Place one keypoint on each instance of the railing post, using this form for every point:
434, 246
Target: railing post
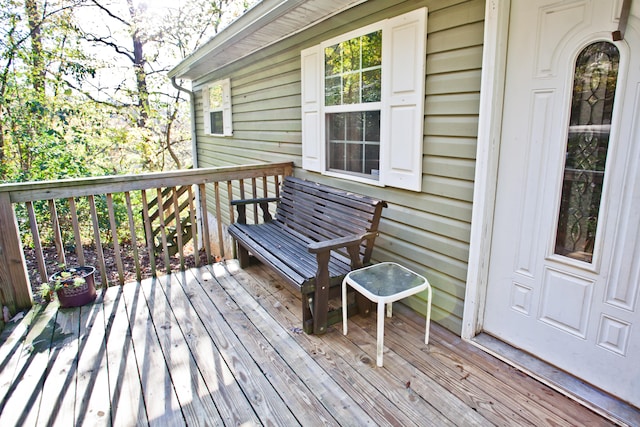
15, 289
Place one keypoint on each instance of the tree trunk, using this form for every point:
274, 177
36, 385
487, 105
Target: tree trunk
139, 63
37, 54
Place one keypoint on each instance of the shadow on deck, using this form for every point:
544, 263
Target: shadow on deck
223, 346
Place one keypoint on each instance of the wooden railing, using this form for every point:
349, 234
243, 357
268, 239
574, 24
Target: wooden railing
81, 223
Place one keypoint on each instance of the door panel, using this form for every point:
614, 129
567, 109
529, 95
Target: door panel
578, 311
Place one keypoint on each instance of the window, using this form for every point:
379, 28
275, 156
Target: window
352, 101
594, 87
217, 108
363, 103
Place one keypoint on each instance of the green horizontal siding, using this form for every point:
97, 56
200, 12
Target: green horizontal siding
427, 231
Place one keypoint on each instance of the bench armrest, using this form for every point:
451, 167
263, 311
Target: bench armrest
241, 206
254, 201
339, 242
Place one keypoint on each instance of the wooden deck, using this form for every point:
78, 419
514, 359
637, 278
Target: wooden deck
223, 346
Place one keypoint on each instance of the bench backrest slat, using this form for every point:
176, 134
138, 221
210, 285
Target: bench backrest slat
320, 212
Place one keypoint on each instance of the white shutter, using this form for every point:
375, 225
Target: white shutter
205, 110
227, 119
311, 60
404, 50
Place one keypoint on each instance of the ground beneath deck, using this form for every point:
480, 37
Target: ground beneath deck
223, 346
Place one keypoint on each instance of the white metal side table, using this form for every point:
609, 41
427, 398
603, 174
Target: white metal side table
384, 284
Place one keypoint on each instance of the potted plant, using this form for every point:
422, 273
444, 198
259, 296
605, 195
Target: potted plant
75, 286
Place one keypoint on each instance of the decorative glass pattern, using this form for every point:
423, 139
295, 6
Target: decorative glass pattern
353, 71
594, 87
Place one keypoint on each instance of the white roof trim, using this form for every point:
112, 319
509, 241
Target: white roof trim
263, 25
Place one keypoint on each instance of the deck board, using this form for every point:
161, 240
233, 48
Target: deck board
254, 356
126, 401
92, 387
219, 345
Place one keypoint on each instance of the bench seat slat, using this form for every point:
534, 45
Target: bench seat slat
289, 249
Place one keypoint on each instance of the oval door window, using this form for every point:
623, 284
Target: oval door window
594, 87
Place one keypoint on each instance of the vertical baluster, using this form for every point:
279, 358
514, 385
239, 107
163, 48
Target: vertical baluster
98, 241
265, 187
57, 235
42, 266
230, 198
76, 230
216, 187
254, 194
241, 181
205, 222
176, 209
194, 228
114, 238
148, 233
134, 237
163, 231
276, 182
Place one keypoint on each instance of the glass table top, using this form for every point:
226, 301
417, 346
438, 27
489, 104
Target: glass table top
386, 279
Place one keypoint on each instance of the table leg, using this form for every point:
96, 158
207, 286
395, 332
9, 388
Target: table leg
428, 320
344, 306
380, 340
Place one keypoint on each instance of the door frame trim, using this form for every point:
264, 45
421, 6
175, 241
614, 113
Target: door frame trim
496, 34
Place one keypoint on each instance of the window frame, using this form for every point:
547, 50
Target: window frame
225, 108
348, 108
401, 105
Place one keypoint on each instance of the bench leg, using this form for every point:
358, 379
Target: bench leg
243, 256
307, 317
321, 294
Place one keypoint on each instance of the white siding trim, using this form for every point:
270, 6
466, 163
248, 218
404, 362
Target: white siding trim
489, 130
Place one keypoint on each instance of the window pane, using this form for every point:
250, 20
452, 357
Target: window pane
372, 126
594, 87
353, 70
351, 55
217, 126
372, 159
332, 61
354, 158
355, 127
215, 97
337, 156
351, 89
333, 91
336, 127
354, 142
372, 50
371, 87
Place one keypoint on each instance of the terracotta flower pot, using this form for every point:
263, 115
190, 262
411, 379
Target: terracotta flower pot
71, 295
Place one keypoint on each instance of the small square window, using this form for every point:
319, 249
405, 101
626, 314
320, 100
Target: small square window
217, 126
217, 108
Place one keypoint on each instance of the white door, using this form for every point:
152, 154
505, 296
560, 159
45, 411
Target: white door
564, 268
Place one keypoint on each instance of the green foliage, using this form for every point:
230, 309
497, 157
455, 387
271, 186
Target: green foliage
76, 100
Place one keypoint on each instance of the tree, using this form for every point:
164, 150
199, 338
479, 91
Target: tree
83, 85
148, 42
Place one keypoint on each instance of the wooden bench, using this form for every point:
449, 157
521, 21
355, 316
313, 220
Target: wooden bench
318, 235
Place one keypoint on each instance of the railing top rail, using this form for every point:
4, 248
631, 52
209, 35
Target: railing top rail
77, 187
